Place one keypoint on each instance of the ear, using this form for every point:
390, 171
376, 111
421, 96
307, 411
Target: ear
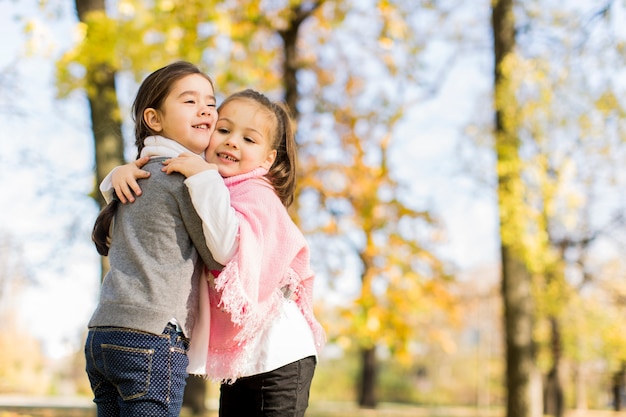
152, 119
271, 157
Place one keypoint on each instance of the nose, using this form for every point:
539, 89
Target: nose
231, 142
205, 110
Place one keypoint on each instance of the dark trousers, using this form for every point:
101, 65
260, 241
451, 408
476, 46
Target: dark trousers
283, 392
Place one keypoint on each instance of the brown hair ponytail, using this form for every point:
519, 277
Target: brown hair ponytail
102, 227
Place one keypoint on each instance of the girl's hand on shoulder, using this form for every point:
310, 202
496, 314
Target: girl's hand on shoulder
187, 164
124, 179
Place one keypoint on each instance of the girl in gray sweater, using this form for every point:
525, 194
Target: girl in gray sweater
136, 348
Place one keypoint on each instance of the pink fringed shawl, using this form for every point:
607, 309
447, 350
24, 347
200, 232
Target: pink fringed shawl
272, 260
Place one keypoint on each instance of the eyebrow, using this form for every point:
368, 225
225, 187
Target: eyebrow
195, 93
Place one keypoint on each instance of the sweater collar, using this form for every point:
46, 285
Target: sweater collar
236, 179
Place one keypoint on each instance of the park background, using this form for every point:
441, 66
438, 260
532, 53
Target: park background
399, 121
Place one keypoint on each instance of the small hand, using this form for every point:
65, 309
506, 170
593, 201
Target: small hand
124, 179
187, 164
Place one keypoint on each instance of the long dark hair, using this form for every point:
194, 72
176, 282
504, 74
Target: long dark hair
282, 173
151, 94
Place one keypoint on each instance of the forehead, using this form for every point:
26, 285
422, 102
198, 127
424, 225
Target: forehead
247, 113
192, 83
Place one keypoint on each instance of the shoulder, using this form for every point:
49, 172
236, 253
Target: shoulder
159, 177
256, 198
161, 188
256, 190
258, 185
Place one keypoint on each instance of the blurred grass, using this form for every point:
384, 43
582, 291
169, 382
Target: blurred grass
329, 409
316, 409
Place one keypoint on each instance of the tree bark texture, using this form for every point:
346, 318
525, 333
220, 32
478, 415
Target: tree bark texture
369, 373
521, 375
618, 388
553, 392
103, 107
518, 336
291, 66
195, 394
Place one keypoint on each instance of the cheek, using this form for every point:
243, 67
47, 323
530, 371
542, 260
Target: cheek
211, 149
208, 151
212, 144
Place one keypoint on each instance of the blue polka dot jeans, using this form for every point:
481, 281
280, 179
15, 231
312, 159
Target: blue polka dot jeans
134, 373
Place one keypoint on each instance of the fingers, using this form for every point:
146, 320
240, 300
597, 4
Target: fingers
124, 193
173, 165
132, 184
128, 189
168, 166
124, 180
186, 164
141, 161
140, 174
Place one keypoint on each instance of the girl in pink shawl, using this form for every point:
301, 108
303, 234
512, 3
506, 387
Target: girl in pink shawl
257, 333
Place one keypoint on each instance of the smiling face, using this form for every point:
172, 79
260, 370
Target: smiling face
243, 138
188, 114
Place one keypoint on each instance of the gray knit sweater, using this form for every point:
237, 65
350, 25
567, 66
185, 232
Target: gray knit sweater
154, 258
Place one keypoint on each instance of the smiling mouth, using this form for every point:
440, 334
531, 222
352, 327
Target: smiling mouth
227, 157
203, 126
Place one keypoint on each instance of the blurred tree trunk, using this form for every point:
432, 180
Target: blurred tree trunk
289, 35
103, 106
367, 389
104, 112
553, 396
195, 394
516, 278
618, 387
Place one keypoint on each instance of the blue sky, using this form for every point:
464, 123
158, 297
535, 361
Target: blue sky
45, 176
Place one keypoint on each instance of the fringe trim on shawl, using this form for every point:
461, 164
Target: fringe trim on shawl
243, 312
227, 365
